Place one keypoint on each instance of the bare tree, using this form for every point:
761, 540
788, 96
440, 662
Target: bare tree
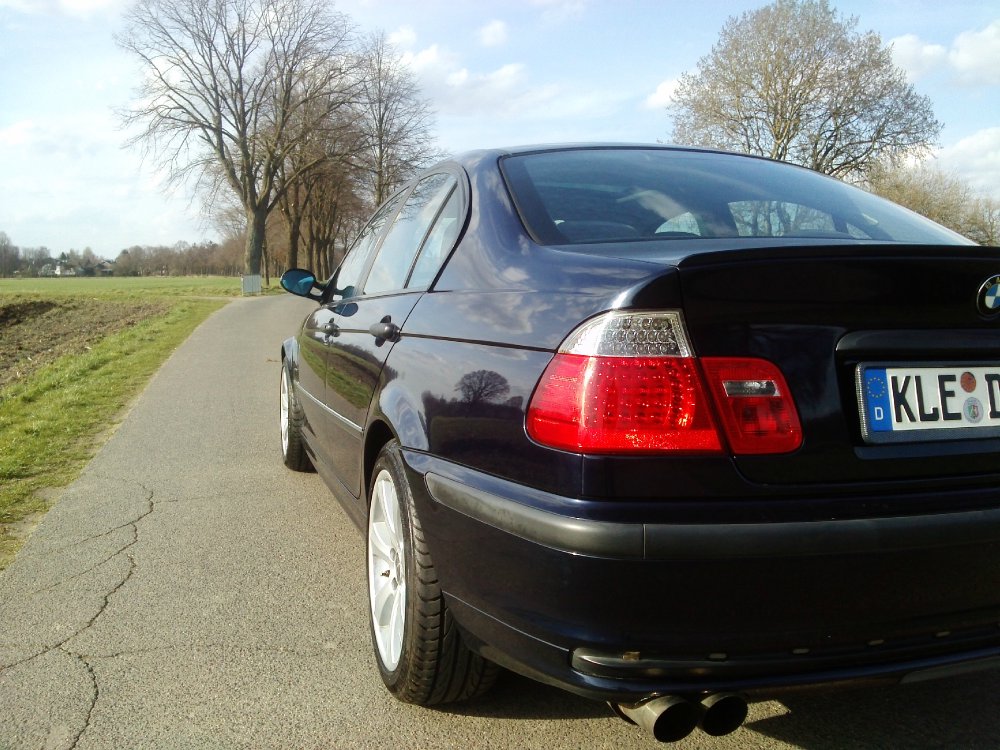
397, 122
984, 222
482, 386
795, 81
335, 150
9, 256
942, 197
931, 192
335, 214
232, 86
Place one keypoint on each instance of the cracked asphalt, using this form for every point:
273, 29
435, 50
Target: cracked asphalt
190, 592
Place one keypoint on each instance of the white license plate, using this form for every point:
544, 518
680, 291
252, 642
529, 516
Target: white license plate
941, 402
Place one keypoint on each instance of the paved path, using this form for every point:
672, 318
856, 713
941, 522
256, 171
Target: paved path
189, 592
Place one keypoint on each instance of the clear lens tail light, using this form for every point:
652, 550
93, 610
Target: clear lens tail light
754, 405
627, 382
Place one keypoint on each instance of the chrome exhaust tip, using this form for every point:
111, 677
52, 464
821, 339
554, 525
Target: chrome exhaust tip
668, 718
722, 713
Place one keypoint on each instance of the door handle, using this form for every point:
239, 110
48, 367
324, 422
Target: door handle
384, 330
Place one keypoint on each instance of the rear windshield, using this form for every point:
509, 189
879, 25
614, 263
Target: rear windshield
586, 196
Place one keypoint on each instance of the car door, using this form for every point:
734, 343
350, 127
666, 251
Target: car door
366, 321
321, 328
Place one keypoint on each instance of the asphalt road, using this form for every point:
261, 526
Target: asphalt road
190, 592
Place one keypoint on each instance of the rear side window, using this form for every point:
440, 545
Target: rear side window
438, 243
613, 195
405, 237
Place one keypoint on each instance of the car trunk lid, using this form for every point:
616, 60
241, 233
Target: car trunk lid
823, 315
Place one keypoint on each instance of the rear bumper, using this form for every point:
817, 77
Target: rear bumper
588, 596
652, 541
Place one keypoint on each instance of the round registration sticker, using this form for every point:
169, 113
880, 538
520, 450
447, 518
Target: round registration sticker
968, 381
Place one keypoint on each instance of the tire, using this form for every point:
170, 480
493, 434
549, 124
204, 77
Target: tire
418, 648
293, 449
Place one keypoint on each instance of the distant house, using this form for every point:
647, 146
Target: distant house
105, 268
47, 270
64, 269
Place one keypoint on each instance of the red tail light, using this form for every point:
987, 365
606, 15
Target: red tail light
628, 383
621, 405
754, 404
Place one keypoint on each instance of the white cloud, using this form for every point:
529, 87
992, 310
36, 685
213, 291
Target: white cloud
493, 34
455, 89
504, 92
430, 63
916, 57
79, 8
403, 38
974, 56
86, 7
663, 96
17, 135
976, 159
558, 11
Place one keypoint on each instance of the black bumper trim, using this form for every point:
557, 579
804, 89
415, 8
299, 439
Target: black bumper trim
597, 538
711, 541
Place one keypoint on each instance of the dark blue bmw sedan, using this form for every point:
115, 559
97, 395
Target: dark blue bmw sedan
664, 427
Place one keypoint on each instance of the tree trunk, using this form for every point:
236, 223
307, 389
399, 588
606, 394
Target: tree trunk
294, 236
256, 236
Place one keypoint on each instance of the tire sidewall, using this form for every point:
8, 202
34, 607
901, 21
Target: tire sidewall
293, 451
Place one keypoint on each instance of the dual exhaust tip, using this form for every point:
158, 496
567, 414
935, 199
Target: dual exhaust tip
670, 718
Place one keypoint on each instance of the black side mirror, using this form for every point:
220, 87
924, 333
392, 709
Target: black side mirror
301, 282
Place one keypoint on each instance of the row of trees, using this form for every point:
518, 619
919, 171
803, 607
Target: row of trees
40, 261
276, 108
181, 259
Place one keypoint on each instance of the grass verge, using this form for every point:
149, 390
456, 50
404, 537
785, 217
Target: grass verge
48, 422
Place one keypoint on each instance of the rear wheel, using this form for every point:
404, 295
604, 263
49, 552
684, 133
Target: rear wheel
420, 653
293, 450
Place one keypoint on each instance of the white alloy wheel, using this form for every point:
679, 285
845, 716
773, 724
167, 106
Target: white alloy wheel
386, 570
284, 411
420, 653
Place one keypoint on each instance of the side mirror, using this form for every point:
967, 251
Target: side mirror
301, 282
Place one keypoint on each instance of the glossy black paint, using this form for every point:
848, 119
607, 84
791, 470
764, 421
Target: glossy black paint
453, 387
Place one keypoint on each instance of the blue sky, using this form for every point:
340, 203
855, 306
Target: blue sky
521, 71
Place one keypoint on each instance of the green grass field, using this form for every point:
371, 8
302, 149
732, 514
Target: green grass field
52, 415
158, 286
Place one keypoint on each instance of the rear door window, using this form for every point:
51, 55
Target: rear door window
402, 242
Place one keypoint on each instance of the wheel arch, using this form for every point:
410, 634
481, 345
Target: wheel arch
378, 435
395, 415
289, 351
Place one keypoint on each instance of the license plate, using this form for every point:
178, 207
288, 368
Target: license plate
940, 402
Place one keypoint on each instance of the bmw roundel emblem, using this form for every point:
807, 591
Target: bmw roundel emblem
989, 296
